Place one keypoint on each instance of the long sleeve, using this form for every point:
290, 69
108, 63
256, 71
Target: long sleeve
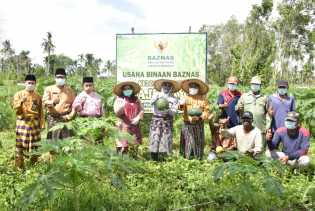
46, 96
17, 103
275, 141
119, 106
240, 104
41, 114
174, 106
220, 100
141, 113
305, 144
77, 103
206, 110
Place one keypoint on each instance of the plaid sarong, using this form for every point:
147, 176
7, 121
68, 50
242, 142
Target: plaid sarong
27, 134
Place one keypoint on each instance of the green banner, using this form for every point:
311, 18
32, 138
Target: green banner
144, 58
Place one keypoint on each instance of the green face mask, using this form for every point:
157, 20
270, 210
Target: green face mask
282, 91
127, 92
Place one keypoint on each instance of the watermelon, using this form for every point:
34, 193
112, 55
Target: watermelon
195, 111
162, 104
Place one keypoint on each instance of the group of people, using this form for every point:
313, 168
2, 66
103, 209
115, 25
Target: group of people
248, 122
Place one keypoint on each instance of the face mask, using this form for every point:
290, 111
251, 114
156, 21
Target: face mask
165, 89
290, 125
282, 91
30, 87
60, 81
232, 87
193, 91
255, 87
127, 92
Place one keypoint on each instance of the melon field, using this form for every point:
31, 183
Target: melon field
84, 175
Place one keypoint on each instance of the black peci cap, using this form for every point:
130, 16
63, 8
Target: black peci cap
60, 71
30, 77
87, 79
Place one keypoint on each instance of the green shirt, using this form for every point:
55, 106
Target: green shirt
257, 104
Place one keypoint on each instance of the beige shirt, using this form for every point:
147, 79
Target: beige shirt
62, 97
257, 104
247, 142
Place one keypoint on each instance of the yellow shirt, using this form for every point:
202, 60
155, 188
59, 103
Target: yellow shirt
29, 105
195, 101
62, 97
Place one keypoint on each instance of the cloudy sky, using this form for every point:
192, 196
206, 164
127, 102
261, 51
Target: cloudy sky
90, 26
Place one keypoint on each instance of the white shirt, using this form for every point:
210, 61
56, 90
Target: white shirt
247, 142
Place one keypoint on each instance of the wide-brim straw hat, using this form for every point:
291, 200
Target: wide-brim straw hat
203, 87
158, 84
118, 88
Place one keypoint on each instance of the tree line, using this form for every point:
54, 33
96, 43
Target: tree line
268, 45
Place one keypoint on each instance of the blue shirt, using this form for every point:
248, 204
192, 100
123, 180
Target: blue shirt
281, 107
230, 111
292, 147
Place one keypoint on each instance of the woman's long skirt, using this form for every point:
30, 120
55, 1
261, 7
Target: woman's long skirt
161, 135
192, 140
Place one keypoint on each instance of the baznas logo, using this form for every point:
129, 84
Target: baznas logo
160, 45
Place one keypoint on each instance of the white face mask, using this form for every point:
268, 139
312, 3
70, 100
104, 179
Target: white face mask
30, 87
232, 87
290, 125
255, 87
60, 81
193, 91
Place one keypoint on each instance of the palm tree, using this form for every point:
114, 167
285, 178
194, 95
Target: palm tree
8, 54
49, 47
25, 61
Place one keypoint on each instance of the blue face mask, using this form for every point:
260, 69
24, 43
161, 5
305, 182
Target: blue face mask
255, 87
127, 92
232, 87
282, 91
290, 125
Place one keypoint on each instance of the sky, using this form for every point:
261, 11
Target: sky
90, 26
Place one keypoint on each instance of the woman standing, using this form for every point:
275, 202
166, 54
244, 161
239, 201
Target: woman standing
164, 108
129, 111
196, 110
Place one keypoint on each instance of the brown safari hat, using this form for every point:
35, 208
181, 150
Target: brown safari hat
203, 87
117, 90
158, 84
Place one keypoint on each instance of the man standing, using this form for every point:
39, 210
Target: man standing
255, 102
227, 102
29, 120
279, 104
248, 137
295, 141
58, 99
88, 103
